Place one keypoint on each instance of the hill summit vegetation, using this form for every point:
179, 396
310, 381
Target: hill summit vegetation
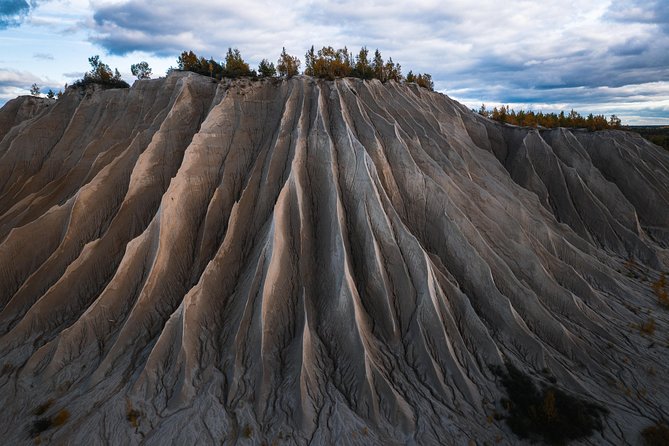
326, 63
330, 63
101, 74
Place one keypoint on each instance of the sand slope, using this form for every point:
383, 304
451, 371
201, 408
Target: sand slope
302, 261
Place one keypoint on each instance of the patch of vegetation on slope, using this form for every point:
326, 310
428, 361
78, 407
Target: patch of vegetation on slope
546, 412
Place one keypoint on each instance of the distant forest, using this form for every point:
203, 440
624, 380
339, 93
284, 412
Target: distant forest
656, 134
530, 118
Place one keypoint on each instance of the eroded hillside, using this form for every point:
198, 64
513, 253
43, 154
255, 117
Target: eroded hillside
303, 261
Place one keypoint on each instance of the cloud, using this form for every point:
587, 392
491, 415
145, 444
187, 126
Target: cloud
550, 52
553, 51
648, 12
43, 56
12, 12
14, 83
74, 75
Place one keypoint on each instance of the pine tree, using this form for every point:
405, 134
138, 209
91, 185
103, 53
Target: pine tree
363, 69
377, 66
266, 69
309, 60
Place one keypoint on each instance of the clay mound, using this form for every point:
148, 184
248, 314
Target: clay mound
302, 261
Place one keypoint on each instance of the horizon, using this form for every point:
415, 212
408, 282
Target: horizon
602, 58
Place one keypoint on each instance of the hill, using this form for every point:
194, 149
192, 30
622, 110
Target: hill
305, 261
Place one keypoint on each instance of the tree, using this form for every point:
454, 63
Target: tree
425, 80
377, 66
35, 90
363, 68
188, 61
141, 70
235, 65
614, 122
100, 71
50, 94
266, 69
330, 63
410, 77
309, 60
288, 65
392, 71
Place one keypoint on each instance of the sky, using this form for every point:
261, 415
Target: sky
594, 56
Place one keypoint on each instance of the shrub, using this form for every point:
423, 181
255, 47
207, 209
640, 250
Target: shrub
660, 289
648, 327
101, 74
39, 410
131, 414
546, 413
60, 418
656, 435
40, 425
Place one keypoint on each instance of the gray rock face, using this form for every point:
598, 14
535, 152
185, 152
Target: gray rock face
301, 261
